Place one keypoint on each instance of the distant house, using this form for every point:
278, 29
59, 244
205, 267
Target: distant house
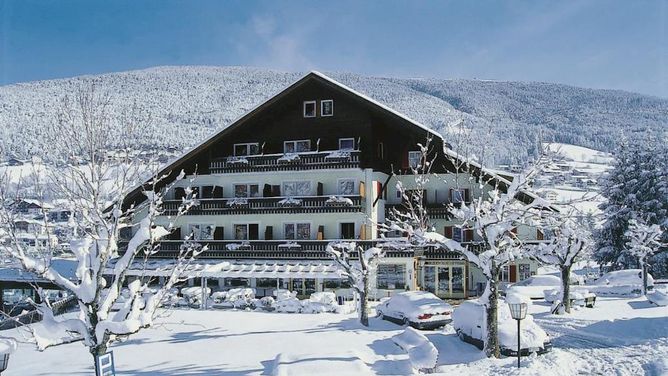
31, 206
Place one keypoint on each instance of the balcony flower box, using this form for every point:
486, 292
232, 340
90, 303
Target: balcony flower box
289, 158
237, 202
338, 201
290, 202
338, 155
237, 160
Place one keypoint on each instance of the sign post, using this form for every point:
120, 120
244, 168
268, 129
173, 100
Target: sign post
104, 364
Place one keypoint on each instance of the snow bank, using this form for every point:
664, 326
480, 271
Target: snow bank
421, 352
335, 363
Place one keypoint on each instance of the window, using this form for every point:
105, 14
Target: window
297, 231
414, 158
252, 148
246, 231
525, 271
505, 274
246, 190
299, 146
347, 230
327, 107
202, 232
309, 109
346, 144
296, 188
459, 195
346, 187
458, 234
391, 276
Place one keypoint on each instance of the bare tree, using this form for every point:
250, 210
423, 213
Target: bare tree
571, 242
96, 169
357, 265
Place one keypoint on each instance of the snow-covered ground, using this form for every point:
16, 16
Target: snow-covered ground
565, 183
617, 337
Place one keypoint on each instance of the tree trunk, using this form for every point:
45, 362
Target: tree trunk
364, 317
644, 277
492, 343
566, 287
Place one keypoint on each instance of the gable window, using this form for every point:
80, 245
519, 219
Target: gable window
297, 231
346, 187
298, 146
246, 190
297, 188
309, 109
327, 107
414, 158
346, 144
251, 148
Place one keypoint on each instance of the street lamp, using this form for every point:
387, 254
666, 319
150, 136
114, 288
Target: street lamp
518, 311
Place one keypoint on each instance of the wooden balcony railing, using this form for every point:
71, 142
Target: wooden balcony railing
287, 162
269, 205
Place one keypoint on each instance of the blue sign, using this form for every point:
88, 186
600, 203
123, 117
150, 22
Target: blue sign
104, 364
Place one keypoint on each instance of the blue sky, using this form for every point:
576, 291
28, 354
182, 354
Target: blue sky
601, 44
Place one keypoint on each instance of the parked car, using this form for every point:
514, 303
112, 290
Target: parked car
622, 282
419, 309
534, 287
469, 322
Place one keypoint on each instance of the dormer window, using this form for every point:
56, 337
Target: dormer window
299, 146
251, 148
414, 158
346, 144
327, 107
309, 109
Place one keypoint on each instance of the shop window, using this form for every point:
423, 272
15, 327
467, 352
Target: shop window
391, 276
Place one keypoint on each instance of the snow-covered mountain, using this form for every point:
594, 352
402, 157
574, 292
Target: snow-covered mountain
187, 104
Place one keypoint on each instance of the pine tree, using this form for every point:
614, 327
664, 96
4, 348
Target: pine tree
636, 187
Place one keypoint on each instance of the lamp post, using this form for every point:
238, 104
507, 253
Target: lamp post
518, 311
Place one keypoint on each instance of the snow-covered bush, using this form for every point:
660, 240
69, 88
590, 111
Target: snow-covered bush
193, 295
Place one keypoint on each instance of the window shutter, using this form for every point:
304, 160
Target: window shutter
467, 195
321, 189
447, 232
362, 190
219, 233
321, 233
253, 231
450, 194
468, 235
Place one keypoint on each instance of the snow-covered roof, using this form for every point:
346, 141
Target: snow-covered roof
240, 269
14, 273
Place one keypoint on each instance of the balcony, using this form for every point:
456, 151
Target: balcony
434, 211
271, 205
334, 159
271, 249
